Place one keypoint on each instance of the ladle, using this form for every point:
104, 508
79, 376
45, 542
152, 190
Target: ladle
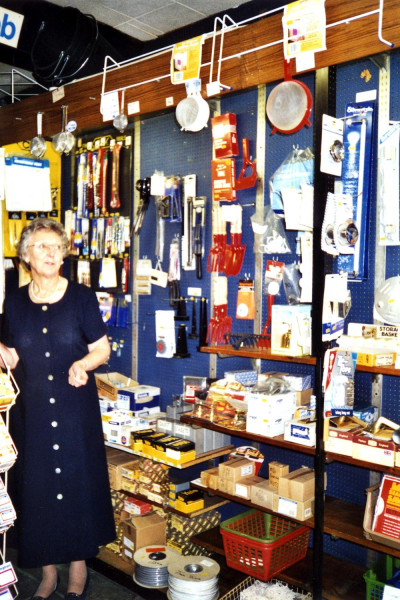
38, 143
64, 141
121, 121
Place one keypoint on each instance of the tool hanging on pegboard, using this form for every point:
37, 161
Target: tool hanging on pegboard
199, 221
143, 187
189, 193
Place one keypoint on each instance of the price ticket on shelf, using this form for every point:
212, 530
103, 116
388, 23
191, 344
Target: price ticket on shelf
304, 27
390, 593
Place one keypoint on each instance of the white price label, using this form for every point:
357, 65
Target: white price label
390, 593
58, 93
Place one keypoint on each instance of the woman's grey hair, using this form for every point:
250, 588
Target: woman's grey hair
42, 225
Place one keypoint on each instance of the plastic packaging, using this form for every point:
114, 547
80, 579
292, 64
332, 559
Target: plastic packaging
269, 234
291, 283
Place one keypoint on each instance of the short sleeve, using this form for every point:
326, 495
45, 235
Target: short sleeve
92, 323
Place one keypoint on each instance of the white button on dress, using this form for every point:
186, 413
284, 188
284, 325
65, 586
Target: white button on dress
59, 496
56, 447
58, 470
50, 377
52, 400
44, 329
45, 307
47, 354
54, 423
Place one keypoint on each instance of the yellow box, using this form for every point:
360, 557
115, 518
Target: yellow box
188, 508
376, 358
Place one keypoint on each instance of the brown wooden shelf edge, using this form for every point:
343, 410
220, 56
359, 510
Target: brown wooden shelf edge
275, 441
263, 354
330, 456
210, 503
198, 460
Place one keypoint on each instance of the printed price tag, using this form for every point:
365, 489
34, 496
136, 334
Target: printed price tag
390, 593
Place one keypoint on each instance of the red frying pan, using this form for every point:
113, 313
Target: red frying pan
289, 105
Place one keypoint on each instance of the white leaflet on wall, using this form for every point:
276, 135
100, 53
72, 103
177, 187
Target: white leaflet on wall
27, 184
388, 161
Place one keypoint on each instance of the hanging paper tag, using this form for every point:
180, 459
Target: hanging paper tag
186, 60
304, 27
109, 106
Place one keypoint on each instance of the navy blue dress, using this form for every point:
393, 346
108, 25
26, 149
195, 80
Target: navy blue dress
63, 493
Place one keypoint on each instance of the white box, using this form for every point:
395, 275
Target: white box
300, 433
117, 425
268, 426
271, 404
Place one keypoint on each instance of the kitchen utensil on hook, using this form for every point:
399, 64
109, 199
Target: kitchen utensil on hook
64, 141
193, 112
246, 181
121, 121
289, 105
38, 143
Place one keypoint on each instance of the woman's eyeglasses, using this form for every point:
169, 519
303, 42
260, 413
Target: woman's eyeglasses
42, 248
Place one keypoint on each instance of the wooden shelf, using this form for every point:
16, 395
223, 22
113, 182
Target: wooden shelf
275, 441
362, 463
198, 460
225, 351
379, 370
210, 503
341, 581
342, 519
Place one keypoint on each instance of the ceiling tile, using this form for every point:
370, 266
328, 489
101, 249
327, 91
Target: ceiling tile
134, 8
138, 31
211, 7
171, 17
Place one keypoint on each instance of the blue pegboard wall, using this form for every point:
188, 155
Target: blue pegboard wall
165, 148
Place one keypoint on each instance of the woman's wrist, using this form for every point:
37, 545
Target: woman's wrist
84, 363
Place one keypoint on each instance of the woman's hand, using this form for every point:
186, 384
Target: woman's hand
77, 375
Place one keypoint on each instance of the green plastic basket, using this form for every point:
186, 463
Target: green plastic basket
375, 578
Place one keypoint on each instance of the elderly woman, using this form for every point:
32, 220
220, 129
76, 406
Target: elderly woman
54, 337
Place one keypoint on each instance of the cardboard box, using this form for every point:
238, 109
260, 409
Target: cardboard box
243, 486
300, 432
263, 494
341, 442
299, 383
189, 501
267, 405
179, 452
137, 438
111, 384
146, 530
115, 463
139, 398
376, 358
228, 487
209, 478
298, 485
374, 451
136, 507
303, 397
131, 471
223, 179
294, 509
380, 538
268, 426
235, 469
224, 135
276, 470
130, 486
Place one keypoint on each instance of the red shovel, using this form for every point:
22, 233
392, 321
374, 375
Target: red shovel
246, 181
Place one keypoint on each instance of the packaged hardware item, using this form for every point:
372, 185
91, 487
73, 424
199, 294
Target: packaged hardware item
263, 494
236, 468
276, 470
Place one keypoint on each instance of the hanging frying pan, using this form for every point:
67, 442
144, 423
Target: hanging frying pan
289, 105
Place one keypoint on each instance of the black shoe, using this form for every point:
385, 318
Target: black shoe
35, 597
74, 596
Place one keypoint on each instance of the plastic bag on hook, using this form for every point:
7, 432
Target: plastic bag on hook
291, 283
269, 234
297, 168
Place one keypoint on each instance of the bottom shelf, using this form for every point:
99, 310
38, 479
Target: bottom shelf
341, 581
